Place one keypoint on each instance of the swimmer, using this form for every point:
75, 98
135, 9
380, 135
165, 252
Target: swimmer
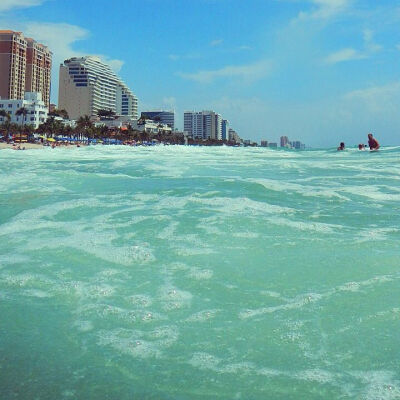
361, 146
341, 147
372, 142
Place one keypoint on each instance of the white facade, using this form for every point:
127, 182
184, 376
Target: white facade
234, 137
165, 117
87, 85
36, 110
150, 126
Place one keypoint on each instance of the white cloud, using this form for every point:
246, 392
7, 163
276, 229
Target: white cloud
344, 55
189, 56
216, 42
169, 102
377, 99
7, 5
244, 47
369, 43
324, 9
249, 72
60, 38
349, 54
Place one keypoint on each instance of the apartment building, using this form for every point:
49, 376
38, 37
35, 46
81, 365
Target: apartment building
203, 124
25, 66
36, 108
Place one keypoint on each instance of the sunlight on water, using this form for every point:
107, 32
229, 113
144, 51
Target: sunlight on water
199, 273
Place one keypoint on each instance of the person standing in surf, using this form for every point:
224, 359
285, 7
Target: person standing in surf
341, 146
372, 142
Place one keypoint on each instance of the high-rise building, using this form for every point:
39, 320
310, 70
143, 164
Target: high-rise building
25, 66
87, 85
264, 143
234, 137
165, 117
284, 141
193, 124
203, 124
297, 144
225, 130
38, 69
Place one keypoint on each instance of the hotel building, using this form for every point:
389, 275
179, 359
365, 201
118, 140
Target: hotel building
165, 117
25, 66
225, 129
36, 108
87, 85
234, 137
203, 124
284, 141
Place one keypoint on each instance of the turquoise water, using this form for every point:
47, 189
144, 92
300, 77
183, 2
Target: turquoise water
199, 273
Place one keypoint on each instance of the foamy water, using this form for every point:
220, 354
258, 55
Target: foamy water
199, 273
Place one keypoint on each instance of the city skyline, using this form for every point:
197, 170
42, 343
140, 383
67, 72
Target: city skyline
322, 71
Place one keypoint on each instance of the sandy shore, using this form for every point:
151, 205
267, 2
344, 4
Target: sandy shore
29, 146
26, 145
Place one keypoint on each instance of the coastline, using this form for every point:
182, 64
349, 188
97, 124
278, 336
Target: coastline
31, 146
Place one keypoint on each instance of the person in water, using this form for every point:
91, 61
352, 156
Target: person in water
341, 147
372, 142
361, 146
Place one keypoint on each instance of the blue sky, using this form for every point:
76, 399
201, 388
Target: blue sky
320, 71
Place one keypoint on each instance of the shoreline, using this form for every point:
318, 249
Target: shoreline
32, 146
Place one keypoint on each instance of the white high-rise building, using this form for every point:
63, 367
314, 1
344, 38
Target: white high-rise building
87, 85
203, 124
36, 110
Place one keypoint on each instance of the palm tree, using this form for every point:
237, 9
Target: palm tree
59, 113
24, 112
106, 114
5, 114
6, 124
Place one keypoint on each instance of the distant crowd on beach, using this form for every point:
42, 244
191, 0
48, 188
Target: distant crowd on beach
372, 143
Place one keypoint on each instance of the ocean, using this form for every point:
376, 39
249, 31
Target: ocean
199, 273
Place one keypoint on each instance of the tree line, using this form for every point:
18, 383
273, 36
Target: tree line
85, 127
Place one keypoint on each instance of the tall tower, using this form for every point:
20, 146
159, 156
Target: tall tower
13, 47
38, 69
25, 66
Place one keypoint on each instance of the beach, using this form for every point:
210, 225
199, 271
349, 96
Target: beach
34, 146
183, 272
28, 146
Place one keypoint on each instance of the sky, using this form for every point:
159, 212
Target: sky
319, 71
